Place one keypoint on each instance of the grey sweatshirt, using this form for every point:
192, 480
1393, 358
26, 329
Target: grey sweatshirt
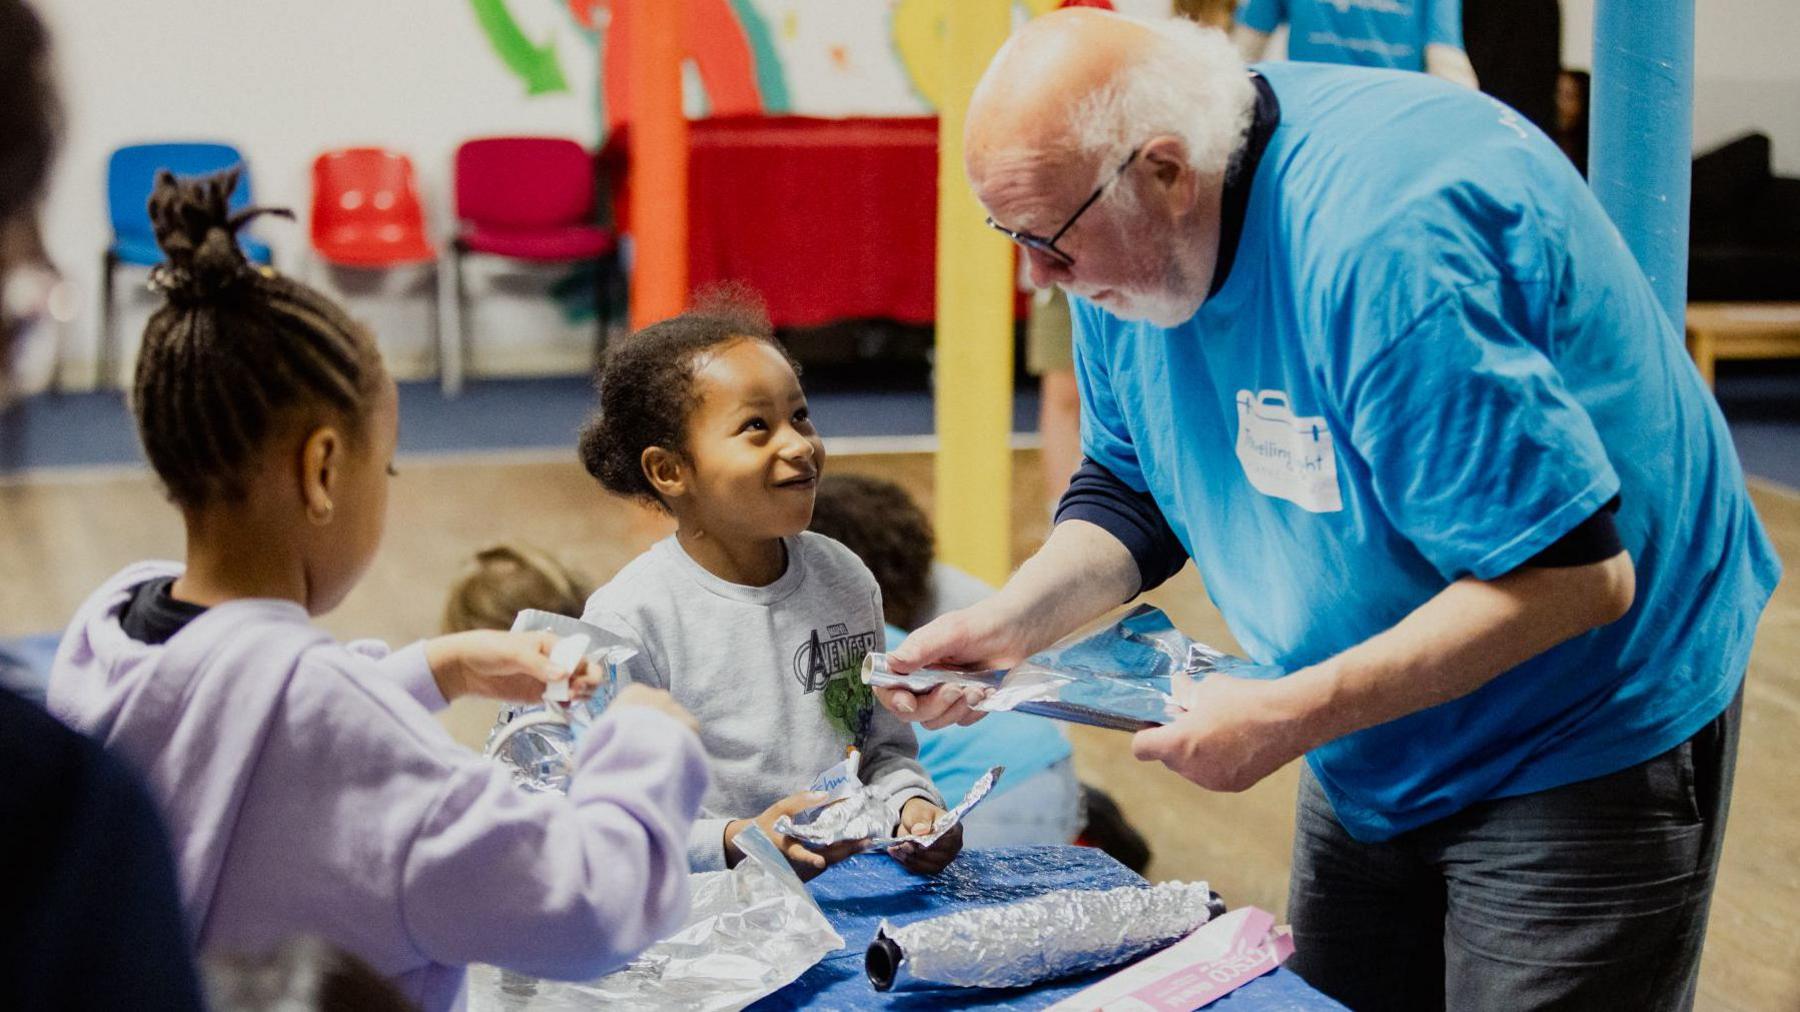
752, 664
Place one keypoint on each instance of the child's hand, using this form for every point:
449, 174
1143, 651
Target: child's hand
501, 665
655, 699
916, 819
806, 862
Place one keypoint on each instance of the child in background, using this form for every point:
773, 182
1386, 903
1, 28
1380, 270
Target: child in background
504, 580
751, 621
1038, 801
306, 786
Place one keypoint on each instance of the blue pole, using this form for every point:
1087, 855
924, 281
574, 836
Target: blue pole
1640, 159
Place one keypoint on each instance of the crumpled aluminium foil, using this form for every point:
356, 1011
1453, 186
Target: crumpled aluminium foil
1048, 936
752, 931
853, 812
1118, 677
536, 741
862, 816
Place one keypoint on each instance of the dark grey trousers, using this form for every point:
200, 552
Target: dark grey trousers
1588, 896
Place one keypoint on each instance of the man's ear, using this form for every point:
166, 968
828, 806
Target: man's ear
1177, 185
666, 471
322, 459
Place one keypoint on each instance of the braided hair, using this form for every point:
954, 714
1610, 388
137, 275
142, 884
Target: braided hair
647, 386
234, 350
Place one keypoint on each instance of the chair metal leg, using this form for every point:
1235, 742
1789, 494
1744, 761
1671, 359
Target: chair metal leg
106, 341
604, 269
437, 315
451, 324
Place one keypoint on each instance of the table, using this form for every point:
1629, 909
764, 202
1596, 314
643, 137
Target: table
1733, 330
857, 894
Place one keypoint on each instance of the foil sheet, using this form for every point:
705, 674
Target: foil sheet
1042, 938
752, 931
853, 812
1118, 677
536, 741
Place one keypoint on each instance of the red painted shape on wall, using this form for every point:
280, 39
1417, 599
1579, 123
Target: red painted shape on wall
711, 36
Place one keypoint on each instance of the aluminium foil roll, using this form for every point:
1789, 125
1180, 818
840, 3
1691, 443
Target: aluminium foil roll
1057, 934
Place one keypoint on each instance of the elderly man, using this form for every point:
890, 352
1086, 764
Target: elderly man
1363, 346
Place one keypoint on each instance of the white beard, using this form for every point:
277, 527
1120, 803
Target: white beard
1171, 291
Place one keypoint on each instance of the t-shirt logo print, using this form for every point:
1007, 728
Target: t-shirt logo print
820, 659
1286, 456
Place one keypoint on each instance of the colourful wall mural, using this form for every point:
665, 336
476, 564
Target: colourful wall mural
806, 57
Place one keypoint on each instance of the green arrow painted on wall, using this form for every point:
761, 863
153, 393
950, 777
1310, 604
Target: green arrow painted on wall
535, 65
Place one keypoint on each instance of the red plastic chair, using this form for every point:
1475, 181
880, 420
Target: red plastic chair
366, 210
366, 214
531, 199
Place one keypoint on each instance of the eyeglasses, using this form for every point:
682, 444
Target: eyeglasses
1048, 246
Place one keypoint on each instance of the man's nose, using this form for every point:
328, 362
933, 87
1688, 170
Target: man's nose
1043, 269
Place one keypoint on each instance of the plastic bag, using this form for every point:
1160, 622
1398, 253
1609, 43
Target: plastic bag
752, 931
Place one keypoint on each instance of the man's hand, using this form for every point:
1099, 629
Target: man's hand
1236, 731
917, 817
1079, 574
501, 665
975, 638
805, 861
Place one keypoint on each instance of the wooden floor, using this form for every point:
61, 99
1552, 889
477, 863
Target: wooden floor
60, 537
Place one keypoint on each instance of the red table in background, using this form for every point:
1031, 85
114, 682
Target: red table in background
828, 219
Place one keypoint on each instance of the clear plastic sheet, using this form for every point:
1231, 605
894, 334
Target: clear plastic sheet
1048, 936
1118, 677
752, 931
536, 741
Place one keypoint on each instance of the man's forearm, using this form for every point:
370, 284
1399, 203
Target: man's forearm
1079, 574
1453, 644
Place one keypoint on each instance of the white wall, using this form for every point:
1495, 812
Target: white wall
284, 81
1746, 69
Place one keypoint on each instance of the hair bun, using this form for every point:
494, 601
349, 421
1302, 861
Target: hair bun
196, 230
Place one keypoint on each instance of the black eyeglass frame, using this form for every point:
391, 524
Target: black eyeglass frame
1048, 246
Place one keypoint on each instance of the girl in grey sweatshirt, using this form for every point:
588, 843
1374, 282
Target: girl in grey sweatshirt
755, 624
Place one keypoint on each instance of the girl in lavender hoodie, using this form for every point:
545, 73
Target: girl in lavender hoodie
305, 784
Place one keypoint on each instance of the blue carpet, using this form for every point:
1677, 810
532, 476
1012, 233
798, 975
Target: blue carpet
1761, 401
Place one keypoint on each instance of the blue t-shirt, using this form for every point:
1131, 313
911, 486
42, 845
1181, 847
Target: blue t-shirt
956, 757
1432, 357
1367, 33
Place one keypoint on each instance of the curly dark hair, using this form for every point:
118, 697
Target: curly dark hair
234, 349
878, 521
647, 387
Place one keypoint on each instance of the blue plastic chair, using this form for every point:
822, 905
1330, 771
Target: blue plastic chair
130, 176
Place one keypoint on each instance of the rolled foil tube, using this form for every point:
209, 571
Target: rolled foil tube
1054, 935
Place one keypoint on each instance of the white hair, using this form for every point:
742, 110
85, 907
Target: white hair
1190, 82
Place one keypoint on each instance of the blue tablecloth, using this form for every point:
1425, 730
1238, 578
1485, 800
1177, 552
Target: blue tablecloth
859, 893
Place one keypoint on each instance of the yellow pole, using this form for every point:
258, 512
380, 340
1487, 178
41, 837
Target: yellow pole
974, 322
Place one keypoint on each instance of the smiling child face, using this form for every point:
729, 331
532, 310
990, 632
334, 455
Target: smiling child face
755, 457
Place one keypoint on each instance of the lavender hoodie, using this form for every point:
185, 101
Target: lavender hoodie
307, 789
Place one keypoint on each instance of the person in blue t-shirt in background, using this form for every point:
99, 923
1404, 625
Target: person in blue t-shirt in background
1365, 347
1038, 800
1423, 35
